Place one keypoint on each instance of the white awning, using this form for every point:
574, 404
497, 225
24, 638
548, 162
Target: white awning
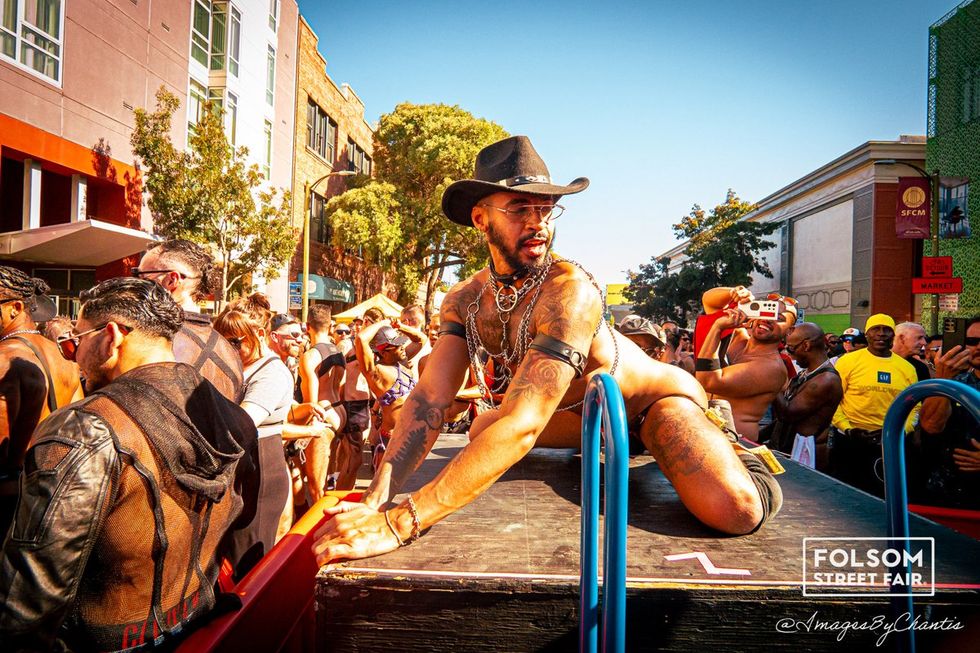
83, 243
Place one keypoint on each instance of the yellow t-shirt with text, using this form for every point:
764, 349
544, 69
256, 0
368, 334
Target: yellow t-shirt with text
870, 385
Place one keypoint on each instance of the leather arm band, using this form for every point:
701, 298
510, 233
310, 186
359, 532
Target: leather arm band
560, 350
452, 329
706, 364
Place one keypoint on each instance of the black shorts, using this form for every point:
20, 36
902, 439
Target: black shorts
358, 416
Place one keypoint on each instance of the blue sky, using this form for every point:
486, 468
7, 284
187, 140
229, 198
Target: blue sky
662, 104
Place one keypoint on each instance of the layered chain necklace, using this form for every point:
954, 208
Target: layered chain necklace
20, 332
506, 298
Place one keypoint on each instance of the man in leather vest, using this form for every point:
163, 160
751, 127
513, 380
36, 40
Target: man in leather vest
186, 270
126, 494
34, 379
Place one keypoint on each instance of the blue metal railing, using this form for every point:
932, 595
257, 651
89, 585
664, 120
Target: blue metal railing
603, 407
896, 485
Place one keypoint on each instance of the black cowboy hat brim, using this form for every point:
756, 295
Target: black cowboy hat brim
460, 197
44, 310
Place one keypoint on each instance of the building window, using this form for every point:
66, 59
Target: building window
219, 30
971, 93
273, 14
231, 117
321, 132
320, 229
357, 159
30, 35
196, 98
267, 164
201, 31
270, 76
234, 40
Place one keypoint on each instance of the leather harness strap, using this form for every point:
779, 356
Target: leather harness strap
52, 398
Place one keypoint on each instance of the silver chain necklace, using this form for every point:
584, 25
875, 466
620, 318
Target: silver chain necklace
20, 332
506, 299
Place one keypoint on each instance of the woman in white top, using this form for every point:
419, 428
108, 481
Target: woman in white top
267, 397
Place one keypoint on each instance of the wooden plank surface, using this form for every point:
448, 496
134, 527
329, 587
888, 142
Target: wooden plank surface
502, 574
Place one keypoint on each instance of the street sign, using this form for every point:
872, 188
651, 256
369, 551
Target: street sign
295, 302
922, 286
949, 303
296, 287
937, 267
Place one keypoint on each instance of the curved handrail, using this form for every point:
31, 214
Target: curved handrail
896, 484
603, 407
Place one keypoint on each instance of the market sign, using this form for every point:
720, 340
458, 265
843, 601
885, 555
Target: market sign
921, 286
912, 213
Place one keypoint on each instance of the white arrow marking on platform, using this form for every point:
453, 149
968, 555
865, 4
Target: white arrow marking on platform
707, 564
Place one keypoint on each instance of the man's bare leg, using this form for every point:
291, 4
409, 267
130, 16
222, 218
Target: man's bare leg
317, 463
697, 458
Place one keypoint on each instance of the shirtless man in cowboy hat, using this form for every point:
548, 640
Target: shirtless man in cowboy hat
549, 312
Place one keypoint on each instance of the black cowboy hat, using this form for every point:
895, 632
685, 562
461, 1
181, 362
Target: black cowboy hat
510, 165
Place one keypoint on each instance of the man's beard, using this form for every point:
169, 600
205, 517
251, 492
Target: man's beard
511, 253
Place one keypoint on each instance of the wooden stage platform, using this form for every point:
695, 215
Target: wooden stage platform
502, 574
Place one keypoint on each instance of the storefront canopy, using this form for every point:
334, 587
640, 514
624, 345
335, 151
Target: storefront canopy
330, 290
83, 243
389, 307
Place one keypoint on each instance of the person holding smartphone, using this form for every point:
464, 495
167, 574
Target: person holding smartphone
948, 436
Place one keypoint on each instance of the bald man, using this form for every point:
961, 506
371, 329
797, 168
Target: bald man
807, 406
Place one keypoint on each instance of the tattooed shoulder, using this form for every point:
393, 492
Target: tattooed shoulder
459, 297
569, 309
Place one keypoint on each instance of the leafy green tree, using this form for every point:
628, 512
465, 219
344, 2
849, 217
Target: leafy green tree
397, 217
722, 250
210, 195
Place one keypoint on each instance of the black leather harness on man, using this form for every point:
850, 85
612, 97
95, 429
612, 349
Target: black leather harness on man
207, 351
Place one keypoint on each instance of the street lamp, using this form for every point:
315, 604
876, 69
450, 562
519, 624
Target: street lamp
306, 235
933, 227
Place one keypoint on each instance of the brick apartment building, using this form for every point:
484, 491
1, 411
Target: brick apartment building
70, 75
331, 136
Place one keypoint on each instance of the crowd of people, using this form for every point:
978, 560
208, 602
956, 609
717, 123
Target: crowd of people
148, 446
150, 454
822, 397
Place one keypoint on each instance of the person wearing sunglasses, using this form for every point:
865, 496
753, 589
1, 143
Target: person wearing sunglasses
286, 339
187, 272
34, 379
739, 360
803, 411
949, 435
267, 398
154, 454
537, 319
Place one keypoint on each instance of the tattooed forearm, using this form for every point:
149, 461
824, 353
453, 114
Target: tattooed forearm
417, 428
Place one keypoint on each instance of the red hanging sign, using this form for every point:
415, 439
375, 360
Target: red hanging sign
937, 266
912, 213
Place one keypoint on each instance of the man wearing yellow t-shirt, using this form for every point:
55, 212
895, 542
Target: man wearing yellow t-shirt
871, 379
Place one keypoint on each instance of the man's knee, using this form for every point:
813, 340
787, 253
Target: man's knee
758, 503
